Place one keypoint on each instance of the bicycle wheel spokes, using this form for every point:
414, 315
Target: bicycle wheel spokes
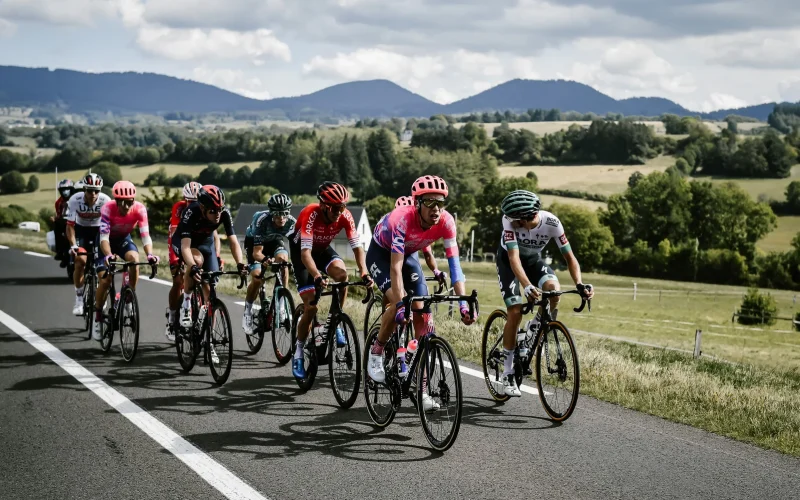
129, 324
345, 365
492, 354
439, 394
557, 372
220, 342
283, 335
379, 396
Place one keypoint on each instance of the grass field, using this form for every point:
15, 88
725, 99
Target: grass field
780, 239
773, 188
542, 128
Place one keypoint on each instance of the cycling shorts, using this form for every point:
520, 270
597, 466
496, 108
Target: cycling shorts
119, 247
206, 249
273, 246
322, 259
537, 272
88, 238
379, 264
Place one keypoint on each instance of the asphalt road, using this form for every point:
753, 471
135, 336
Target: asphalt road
62, 440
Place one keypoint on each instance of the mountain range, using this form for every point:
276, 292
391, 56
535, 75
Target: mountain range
131, 92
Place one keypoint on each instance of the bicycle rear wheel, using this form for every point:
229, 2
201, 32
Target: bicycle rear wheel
129, 324
108, 324
309, 352
443, 386
379, 397
492, 354
344, 367
283, 335
89, 289
557, 371
186, 339
219, 342
256, 339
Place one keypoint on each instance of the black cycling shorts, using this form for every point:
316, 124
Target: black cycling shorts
537, 272
322, 259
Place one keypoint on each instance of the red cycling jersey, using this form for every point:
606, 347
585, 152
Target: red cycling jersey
174, 220
312, 232
61, 208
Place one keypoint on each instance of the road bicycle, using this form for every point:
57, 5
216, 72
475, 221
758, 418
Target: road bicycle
375, 308
89, 291
550, 344
210, 330
274, 316
432, 370
322, 348
121, 310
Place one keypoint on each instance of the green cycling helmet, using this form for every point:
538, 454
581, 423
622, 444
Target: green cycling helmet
520, 204
279, 203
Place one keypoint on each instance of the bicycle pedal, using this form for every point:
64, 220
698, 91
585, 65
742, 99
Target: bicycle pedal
497, 385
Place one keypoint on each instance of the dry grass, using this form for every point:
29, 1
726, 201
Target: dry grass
780, 240
772, 188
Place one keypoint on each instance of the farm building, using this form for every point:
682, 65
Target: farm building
340, 243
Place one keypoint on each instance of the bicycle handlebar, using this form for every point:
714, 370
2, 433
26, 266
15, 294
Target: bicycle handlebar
441, 283
336, 286
207, 276
471, 299
546, 294
274, 268
113, 264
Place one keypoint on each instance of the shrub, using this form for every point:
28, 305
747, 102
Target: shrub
33, 184
12, 215
757, 309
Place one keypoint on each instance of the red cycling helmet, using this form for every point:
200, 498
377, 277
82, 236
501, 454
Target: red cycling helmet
211, 197
124, 190
404, 201
333, 193
429, 184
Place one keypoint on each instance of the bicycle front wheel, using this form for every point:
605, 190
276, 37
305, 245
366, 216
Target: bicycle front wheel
283, 335
309, 352
108, 324
492, 355
219, 341
557, 371
439, 394
344, 368
379, 397
89, 288
373, 314
129, 324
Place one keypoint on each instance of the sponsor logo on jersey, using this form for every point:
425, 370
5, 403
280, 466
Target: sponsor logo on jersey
310, 224
373, 269
414, 277
551, 221
508, 236
563, 239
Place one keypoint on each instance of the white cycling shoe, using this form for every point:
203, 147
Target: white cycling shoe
247, 322
375, 368
186, 317
96, 333
77, 309
428, 403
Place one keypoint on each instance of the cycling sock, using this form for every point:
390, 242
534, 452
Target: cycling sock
172, 315
508, 367
377, 348
187, 297
248, 306
298, 349
98, 315
79, 291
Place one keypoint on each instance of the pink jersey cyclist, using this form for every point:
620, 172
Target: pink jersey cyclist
117, 228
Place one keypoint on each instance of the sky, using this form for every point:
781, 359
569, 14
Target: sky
702, 54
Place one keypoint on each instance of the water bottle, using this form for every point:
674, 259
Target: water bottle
201, 315
401, 359
411, 350
125, 278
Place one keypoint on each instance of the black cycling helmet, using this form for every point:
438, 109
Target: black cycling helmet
279, 203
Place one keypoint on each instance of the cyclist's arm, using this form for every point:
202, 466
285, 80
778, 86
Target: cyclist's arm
258, 253
71, 234
308, 261
396, 274
217, 243
144, 231
236, 250
105, 229
361, 260
105, 247
186, 251
429, 259
569, 257
70, 216
517, 269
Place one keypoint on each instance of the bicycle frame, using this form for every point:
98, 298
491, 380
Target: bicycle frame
335, 311
275, 269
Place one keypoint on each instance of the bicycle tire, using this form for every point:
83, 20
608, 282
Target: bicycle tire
128, 296
222, 347
309, 352
256, 339
89, 288
492, 365
371, 388
556, 415
108, 324
438, 346
184, 337
345, 394
283, 295
375, 305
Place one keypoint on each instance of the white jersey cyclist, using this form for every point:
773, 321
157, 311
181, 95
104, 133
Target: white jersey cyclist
531, 242
82, 214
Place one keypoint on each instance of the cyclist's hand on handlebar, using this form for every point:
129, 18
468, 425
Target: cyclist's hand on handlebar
440, 276
532, 293
466, 317
320, 282
242, 268
367, 279
400, 315
221, 263
153, 259
196, 272
73, 250
107, 259
587, 291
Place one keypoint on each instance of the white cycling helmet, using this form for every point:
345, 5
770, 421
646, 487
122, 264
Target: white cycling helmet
191, 190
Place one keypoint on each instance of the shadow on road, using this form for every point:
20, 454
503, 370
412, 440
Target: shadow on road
30, 281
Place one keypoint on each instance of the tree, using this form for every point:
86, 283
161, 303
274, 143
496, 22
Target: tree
381, 156
12, 161
109, 171
210, 175
33, 184
589, 239
793, 196
159, 208
157, 178
241, 177
12, 183
74, 156
379, 206
660, 205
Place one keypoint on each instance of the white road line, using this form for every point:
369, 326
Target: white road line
3, 247
206, 467
157, 280
35, 254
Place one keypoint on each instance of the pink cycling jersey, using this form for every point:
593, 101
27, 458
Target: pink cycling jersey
114, 225
400, 232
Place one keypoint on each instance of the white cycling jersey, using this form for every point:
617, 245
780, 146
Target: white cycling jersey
531, 242
78, 212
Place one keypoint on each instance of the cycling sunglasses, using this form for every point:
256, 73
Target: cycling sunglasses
280, 214
434, 202
127, 202
528, 218
336, 208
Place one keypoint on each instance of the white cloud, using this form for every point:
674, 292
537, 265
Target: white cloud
65, 12
789, 89
444, 96
365, 64
198, 44
7, 28
234, 80
476, 63
756, 49
722, 101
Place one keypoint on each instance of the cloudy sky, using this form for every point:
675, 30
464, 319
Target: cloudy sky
703, 54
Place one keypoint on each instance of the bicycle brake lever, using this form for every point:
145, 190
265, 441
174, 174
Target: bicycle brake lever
154, 270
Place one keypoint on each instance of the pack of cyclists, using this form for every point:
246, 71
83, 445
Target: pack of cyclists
98, 228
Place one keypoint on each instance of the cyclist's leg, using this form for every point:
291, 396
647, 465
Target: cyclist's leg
130, 253
547, 280
188, 280
414, 281
509, 288
281, 254
255, 271
175, 267
334, 267
378, 262
305, 287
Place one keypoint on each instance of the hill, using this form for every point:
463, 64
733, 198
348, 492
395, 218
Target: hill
151, 93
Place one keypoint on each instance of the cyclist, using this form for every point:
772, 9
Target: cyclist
66, 190
526, 231
83, 229
391, 260
266, 241
118, 218
316, 226
176, 267
200, 219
